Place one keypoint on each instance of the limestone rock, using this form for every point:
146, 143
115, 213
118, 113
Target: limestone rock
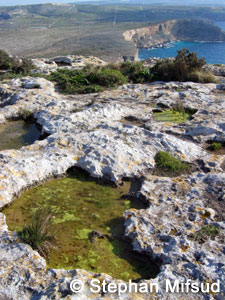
74, 62
114, 135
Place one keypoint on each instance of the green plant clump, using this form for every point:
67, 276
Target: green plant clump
185, 67
87, 80
215, 146
208, 231
167, 162
14, 66
5, 60
95, 79
136, 72
37, 234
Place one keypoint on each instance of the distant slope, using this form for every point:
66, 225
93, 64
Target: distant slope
48, 29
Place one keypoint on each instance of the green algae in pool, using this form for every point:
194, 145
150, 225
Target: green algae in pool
170, 115
15, 134
79, 206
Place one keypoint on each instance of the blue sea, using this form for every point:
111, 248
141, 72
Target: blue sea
214, 52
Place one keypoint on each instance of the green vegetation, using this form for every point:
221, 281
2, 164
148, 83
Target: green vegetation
83, 234
170, 115
14, 65
185, 67
37, 234
215, 146
205, 233
177, 114
78, 206
87, 80
169, 164
136, 72
95, 79
5, 60
22, 66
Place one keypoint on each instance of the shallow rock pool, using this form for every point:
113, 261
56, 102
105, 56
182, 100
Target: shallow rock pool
79, 206
15, 134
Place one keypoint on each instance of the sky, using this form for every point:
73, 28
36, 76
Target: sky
24, 2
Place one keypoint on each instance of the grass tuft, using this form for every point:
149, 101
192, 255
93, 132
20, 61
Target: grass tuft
168, 163
37, 234
206, 232
215, 146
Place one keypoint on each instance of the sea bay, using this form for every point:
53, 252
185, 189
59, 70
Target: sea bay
214, 52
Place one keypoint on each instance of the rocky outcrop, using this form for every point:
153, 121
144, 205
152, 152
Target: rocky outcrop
88, 131
192, 30
72, 62
217, 70
166, 229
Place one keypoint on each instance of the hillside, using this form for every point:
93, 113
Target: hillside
47, 30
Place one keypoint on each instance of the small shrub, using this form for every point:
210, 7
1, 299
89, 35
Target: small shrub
215, 146
185, 67
189, 59
21, 66
14, 64
169, 163
203, 77
135, 71
165, 70
87, 80
5, 60
37, 234
106, 77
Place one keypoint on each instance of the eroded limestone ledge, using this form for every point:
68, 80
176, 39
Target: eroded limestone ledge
72, 62
114, 135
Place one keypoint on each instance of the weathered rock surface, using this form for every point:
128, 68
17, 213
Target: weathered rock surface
180, 207
217, 70
114, 135
74, 62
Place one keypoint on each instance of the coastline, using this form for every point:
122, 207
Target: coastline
214, 52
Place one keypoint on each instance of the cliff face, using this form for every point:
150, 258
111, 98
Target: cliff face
174, 30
